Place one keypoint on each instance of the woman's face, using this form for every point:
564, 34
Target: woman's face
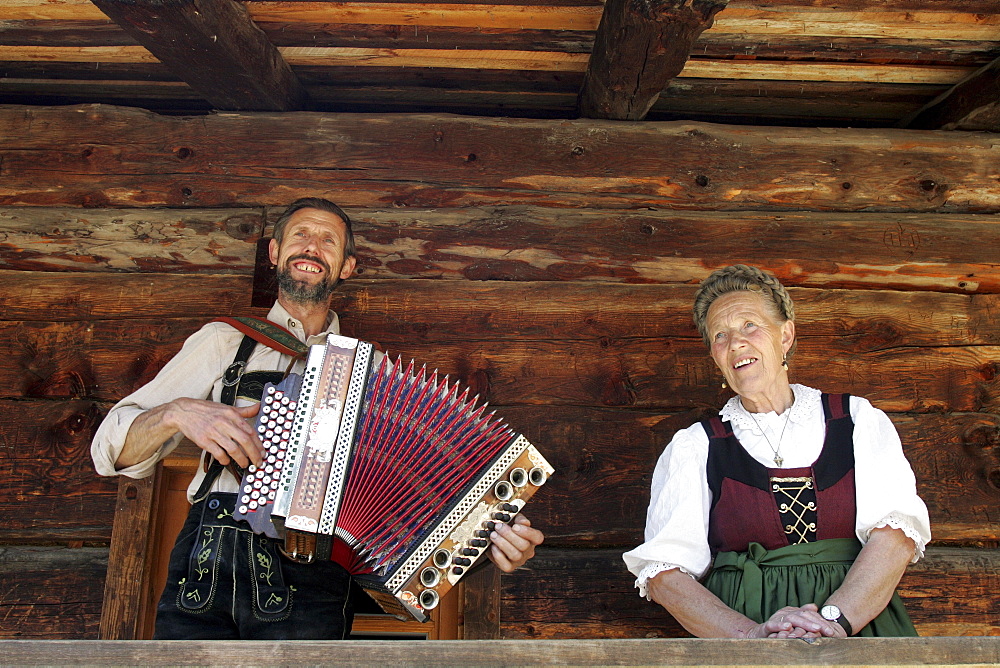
748, 343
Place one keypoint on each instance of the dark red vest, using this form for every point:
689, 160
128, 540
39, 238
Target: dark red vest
744, 507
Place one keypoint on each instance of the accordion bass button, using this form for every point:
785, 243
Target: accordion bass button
519, 477
430, 577
442, 558
457, 570
537, 476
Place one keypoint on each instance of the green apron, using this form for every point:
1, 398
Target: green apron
758, 582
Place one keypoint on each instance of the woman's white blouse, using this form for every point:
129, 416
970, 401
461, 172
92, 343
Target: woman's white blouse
677, 518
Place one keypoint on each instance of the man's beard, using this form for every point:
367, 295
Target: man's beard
305, 293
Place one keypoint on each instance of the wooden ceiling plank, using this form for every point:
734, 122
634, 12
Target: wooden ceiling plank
214, 46
77, 54
975, 6
972, 104
31, 32
524, 61
494, 60
887, 24
639, 47
62, 10
534, 16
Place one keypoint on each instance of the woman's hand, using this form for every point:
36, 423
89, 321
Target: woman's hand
799, 622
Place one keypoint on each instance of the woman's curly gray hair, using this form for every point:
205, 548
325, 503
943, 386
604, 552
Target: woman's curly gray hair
738, 277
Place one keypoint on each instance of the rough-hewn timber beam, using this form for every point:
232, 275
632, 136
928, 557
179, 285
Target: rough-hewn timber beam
216, 48
971, 104
639, 47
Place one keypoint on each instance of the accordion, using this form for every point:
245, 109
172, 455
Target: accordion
393, 473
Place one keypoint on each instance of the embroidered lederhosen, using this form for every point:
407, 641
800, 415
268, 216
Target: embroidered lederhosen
779, 507
218, 531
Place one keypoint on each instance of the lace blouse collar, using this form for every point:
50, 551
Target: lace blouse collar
807, 401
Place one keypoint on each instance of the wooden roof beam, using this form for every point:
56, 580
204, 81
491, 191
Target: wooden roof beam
216, 48
639, 47
971, 104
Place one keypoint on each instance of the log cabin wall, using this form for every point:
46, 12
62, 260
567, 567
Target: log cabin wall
549, 264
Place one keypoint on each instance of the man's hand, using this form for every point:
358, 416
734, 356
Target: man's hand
514, 545
220, 430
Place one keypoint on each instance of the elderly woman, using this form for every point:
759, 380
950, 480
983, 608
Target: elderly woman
803, 499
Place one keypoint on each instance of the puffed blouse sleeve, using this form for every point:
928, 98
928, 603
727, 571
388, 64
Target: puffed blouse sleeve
677, 518
885, 485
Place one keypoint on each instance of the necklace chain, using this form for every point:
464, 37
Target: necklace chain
778, 459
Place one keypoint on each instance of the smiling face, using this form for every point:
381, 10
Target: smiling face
310, 258
748, 343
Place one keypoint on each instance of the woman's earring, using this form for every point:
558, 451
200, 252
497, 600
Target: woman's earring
724, 386
784, 362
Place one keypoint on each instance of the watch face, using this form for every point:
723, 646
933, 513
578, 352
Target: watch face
830, 612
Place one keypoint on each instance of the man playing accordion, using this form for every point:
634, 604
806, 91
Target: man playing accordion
252, 591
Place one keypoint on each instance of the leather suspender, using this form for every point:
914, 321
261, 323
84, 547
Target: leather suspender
254, 330
230, 383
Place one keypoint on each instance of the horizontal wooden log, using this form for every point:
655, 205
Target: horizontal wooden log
51, 493
830, 250
133, 240
513, 60
577, 594
69, 32
749, 102
883, 49
453, 13
712, 44
823, 104
51, 592
921, 18
604, 460
150, 160
108, 359
420, 311
533, 244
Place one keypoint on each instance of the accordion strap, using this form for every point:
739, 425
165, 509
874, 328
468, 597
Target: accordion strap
270, 334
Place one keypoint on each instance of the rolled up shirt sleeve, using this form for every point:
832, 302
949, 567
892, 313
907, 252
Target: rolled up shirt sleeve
676, 534
192, 373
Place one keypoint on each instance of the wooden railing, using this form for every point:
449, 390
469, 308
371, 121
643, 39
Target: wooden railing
969, 651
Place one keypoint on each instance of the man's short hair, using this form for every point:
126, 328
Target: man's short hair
323, 205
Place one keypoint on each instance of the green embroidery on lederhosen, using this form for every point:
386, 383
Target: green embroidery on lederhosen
198, 588
273, 599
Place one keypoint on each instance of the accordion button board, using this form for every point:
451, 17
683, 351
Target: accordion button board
394, 473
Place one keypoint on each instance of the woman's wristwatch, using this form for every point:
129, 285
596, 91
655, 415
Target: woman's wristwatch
832, 613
